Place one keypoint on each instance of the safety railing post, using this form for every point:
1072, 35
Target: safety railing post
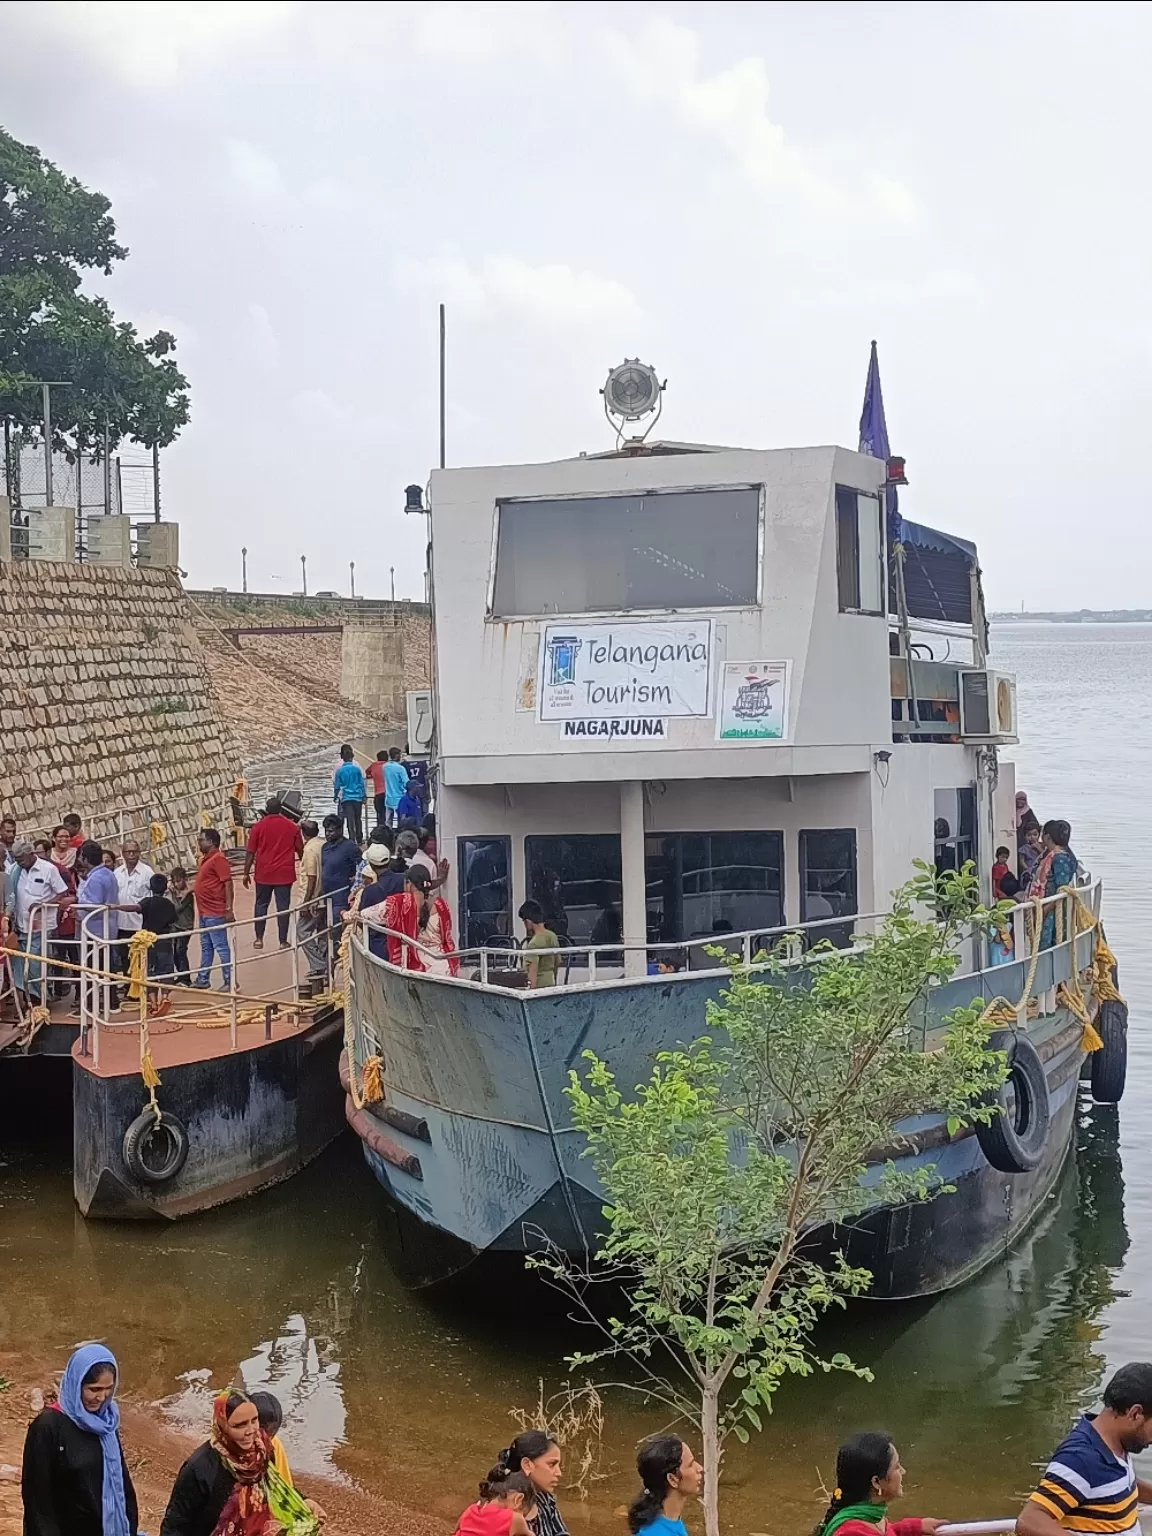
484, 966
234, 948
295, 953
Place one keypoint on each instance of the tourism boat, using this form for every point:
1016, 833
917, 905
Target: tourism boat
686, 695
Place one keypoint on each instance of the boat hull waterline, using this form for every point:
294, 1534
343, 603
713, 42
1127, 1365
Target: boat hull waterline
472, 1146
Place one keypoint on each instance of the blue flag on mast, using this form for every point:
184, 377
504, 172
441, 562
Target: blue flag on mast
874, 440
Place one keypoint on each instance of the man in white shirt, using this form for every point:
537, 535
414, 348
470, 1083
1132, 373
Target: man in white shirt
35, 881
132, 883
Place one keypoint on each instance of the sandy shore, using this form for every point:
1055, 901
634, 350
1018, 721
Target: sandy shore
154, 1453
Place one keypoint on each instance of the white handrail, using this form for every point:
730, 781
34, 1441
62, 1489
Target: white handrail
486, 955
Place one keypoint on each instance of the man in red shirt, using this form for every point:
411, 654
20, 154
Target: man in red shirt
212, 889
274, 845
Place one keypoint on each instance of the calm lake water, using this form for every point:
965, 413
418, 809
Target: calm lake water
292, 1289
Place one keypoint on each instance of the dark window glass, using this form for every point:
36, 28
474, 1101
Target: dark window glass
847, 548
577, 882
702, 885
828, 881
674, 549
955, 830
482, 865
859, 551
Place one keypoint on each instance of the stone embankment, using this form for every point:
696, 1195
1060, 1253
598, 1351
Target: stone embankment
281, 691
106, 706
125, 699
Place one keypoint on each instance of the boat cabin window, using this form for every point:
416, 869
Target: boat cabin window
577, 882
702, 885
593, 554
859, 551
828, 882
483, 865
954, 835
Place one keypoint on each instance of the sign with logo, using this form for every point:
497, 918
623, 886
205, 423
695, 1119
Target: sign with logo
753, 701
644, 672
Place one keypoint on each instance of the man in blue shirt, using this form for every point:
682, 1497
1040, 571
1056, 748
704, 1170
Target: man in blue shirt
339, 861
348, 790
98, 888
395, 784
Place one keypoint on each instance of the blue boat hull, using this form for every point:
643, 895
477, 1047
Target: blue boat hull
473, 1148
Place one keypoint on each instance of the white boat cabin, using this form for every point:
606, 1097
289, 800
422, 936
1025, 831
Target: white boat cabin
685, 691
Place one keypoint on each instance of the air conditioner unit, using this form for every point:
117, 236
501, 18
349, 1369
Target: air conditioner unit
987, 706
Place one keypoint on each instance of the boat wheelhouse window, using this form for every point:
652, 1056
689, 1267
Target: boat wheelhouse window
577, 881
859, 551
828, 882
954, 834
702, 885
593, 554
483, 865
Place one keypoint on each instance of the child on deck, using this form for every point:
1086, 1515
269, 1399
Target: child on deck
507, 1502
868, 1477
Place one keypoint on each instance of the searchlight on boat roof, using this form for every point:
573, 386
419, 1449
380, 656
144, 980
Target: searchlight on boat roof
632, 391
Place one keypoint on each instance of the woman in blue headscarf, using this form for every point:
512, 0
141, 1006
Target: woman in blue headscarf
74, 1481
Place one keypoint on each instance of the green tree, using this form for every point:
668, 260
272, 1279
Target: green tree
756, 1136
53, 231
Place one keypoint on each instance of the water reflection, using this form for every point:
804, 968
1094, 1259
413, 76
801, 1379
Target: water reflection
291, 1291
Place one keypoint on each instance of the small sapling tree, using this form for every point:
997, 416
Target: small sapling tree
726, 1172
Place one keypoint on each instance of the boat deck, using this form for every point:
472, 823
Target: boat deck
197, 1025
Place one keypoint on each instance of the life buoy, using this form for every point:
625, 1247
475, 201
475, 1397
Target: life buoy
155, 1148
1109, 1065
1013, 1141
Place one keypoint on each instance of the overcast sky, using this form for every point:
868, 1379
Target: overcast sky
742, 194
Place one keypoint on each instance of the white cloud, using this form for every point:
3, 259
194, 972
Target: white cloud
554, 293
259, 336
662, 67
893, 197
150, 41
254, 171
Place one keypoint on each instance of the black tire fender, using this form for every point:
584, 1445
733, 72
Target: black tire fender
1013, 1141
1109, 1065
155, 1146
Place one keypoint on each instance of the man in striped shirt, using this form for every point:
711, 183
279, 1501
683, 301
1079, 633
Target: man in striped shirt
1090, 1485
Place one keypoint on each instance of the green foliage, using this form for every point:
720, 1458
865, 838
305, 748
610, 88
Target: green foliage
52, 231
755, 1136
173, 705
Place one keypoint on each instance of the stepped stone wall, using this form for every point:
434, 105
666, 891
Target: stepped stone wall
106, 702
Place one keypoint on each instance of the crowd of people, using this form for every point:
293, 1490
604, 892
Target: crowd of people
51, 886
76, 1480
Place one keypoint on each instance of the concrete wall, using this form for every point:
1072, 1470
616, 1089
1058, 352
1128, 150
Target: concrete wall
105, 702
372, 669
488, 731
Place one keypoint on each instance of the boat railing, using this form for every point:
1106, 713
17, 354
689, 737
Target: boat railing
311, 947
798, 945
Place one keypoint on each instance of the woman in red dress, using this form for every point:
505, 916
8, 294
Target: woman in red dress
423, 917
868, 1477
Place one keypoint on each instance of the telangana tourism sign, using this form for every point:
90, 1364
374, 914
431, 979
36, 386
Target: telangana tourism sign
620, 671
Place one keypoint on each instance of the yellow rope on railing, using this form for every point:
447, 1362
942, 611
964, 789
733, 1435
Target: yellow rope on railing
138, 946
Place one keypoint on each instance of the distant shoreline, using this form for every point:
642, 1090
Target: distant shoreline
1080, 616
